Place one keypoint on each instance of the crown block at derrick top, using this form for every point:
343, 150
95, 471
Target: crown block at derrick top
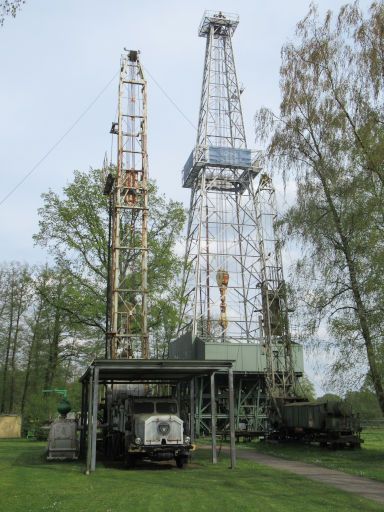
221, 21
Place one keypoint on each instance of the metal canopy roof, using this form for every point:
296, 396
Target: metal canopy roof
128, 370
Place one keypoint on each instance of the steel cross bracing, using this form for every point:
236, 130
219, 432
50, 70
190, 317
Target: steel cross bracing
221, 277
220, 118
233, 285
129, 331
222, 234
280, 375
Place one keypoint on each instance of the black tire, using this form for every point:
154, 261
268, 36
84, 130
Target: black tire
130, 461
181, 460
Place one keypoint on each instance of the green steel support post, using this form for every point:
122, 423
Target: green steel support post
213, 419
257, 409
94, 416
192, 410
84, 392
232, 418
89, 431
200, 405
238, 403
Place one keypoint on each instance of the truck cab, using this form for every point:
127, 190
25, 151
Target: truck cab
153, 430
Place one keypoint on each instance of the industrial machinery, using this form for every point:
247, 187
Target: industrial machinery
330, 423
127, 310
234, 303
149, 428
133, 428
62, 437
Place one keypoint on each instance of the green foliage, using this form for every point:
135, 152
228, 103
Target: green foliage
329, 397
74, 228
38, 344
306, 389
9, 8
364, 403
329, 137
52, 318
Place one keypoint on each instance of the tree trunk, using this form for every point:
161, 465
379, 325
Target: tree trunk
14, 350
362, 314
7, 351
30, 356
54, 344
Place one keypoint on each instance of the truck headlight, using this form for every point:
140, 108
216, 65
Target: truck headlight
187, 439
138, 440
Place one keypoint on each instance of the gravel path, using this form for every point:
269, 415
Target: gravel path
365, 487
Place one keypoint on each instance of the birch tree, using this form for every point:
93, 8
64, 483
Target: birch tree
329, 136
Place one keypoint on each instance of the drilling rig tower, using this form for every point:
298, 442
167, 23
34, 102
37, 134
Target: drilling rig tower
234, 298
128, 290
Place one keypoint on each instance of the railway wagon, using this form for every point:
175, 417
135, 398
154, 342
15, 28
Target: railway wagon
331, 423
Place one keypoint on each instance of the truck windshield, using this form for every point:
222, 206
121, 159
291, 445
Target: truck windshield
166, 407
143, 407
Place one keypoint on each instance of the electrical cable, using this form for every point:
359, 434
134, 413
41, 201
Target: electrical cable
67, 132
169, 98
56, 144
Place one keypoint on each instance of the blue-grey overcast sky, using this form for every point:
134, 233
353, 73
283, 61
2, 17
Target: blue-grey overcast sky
57, 55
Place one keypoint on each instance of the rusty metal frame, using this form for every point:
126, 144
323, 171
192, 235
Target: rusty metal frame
128, 335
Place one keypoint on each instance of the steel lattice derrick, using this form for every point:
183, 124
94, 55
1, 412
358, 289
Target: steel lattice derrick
222, 234
221, 280
129, 331
233, 283
276, 332
220, 119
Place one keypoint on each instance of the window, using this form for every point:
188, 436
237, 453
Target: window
166, 407
143, 407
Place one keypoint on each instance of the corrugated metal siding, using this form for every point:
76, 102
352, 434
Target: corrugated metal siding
247, 357
187, 167
182, 348
238, 157
298, 358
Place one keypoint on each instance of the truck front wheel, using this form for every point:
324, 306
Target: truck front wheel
130, 461
181, 460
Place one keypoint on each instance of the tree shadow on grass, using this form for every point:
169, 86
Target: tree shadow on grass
37, 458
140, 465
146, 465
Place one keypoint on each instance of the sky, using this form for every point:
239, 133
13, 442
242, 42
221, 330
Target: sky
58, 57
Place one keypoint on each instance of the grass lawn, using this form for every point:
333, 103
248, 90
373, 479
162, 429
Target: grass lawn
29, 483
367, 461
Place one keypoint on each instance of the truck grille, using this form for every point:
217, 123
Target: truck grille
163, 430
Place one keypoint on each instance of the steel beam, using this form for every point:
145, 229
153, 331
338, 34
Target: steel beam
94, 417
232, 417
213, 419
83, 422
192, 409
129, 236
89, 431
